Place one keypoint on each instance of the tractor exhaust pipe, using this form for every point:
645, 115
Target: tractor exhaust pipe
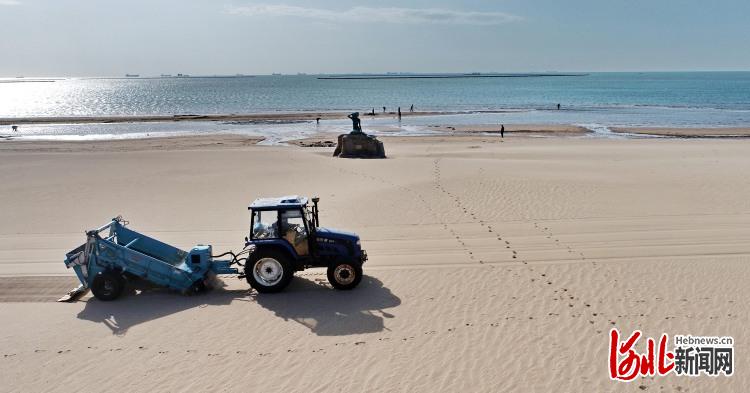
316, 220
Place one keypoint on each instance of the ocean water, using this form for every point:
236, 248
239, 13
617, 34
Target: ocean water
597, 101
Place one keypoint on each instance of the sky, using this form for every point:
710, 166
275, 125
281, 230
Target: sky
212, 37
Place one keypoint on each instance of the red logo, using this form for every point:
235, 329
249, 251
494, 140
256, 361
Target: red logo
625, 364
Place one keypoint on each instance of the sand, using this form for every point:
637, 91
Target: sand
494, 266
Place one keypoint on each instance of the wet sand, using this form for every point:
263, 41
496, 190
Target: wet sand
732, 132
137, 144
252, 117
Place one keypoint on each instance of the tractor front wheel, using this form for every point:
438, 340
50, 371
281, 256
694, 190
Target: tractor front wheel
107, 285
268, 271
345, 275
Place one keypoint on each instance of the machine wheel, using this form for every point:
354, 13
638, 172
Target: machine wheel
107, 285
268, 271
345, 275
199, 286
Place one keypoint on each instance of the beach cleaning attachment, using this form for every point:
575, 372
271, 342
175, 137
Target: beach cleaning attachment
113, 254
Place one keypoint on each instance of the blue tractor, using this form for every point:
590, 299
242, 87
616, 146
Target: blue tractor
286, 236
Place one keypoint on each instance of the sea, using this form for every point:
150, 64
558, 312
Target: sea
597, 101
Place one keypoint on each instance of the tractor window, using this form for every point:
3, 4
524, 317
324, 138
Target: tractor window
293, 229
264, 224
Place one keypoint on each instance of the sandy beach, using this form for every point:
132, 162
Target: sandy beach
495, 265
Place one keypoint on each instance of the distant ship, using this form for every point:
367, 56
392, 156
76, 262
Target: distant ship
276, 74
183, 76
166, 75
131, 75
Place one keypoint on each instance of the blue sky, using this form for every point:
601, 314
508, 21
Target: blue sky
98, 38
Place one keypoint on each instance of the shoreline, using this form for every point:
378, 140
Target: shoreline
236, 141
444, 127
167, 143
247, 117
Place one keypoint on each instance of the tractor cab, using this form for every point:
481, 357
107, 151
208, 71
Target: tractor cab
287, 237
286, 218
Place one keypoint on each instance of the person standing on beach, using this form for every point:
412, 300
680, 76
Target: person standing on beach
412, 108
317, 121
399, 113
383, 109
502, 131
558, 107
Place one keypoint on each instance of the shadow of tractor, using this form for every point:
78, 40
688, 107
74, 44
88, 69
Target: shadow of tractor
325, 311
328, 312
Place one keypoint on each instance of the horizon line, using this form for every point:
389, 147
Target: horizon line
384, 73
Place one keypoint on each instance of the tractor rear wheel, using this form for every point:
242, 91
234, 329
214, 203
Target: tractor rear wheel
345, 275
108, 285
268, 271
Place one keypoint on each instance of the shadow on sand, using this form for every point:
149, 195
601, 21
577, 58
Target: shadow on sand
326, 312
142, 302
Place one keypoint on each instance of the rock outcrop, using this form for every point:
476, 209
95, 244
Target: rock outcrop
359, 145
